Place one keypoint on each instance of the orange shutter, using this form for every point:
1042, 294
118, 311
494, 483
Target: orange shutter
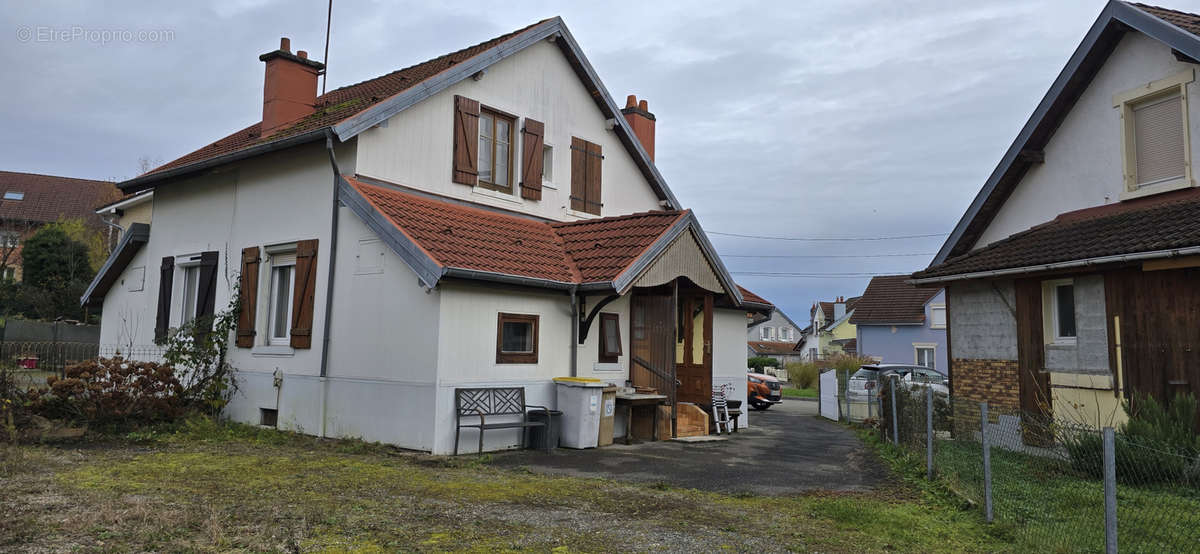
304, 293
249, 297
531, 154
466, 140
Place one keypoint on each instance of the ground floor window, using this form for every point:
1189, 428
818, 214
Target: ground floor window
191, 290
925, 355
282, 283
610, 338
516, 339
1058, 298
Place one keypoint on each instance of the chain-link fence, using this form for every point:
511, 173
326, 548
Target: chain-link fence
1048, 486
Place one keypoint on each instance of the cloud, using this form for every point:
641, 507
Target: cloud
774, 118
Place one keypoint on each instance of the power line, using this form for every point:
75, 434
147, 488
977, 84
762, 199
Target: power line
849, 275
828, 255
831, 239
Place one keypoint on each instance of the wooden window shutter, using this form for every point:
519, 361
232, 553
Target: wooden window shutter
578, 173
166, 276
531, 154
249, 297
466, 141
304, 293
585, 176
206, 295
592, 202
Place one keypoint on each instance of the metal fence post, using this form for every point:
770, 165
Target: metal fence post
895, 422
929, 433
987, 462
1110, 491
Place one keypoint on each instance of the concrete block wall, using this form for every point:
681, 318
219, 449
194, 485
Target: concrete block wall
983, 324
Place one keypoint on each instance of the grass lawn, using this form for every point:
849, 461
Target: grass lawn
202, 486
1041, 505
793, 392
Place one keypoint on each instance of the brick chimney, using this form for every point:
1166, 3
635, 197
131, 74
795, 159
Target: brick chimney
639, 117
289, 88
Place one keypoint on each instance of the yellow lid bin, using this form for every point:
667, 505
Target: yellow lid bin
579, 401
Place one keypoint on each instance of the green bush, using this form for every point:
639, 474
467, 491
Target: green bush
757, 363
1158, 444
803, 375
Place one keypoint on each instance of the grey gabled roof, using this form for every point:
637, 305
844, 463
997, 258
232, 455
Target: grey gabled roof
1099, 42
552, 29
137, 235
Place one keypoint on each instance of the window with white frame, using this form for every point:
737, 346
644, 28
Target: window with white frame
547, 163
1155, 142
925, 354
767, 332
190, 280
1058, 302
282, 284
937, 316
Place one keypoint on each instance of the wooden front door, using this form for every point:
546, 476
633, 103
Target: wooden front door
651, 341
694, 348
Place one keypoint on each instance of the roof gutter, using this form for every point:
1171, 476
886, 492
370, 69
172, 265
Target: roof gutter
1087, 262
508, 279
149, 180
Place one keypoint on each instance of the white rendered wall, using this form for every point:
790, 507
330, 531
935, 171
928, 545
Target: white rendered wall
1083, 158
729, 356
415, 148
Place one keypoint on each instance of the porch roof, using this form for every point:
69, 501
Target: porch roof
439, 238
1159, 226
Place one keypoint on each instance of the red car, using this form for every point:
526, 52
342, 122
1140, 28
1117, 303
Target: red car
763, 391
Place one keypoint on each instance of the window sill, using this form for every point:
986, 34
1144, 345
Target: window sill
507, 197
272, 351
549, 185
599, 366
581, 215
1156, 188
1061, 344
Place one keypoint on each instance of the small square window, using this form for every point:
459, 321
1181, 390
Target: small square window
516, 339
610, 338
548, 163
925, 356
268, 417
937, 316
14, 195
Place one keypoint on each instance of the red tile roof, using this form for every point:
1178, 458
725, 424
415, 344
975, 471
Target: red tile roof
453, 235
891, 299
780, 348
1163, 222
1189, 22
340, 104
49, 198
751, 297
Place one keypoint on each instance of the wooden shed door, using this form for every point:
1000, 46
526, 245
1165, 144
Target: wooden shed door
652, 334
1031, 362
694, 367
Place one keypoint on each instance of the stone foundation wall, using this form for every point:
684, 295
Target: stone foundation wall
993, 381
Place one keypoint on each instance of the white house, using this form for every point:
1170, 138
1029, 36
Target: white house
774, 336
486, 218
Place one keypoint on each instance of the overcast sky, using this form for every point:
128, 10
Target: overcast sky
788, 119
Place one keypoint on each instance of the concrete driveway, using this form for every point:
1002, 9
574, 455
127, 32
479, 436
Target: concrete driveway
789, 450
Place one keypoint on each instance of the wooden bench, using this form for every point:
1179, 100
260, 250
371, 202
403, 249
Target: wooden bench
485, 402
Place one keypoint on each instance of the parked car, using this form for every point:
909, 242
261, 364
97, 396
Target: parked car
866, 380
763, 391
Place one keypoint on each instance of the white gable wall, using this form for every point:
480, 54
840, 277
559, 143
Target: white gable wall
416, 147
1083, 159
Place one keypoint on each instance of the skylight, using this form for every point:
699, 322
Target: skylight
14, 195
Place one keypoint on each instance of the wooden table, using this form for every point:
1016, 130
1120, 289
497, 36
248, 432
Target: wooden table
629, 400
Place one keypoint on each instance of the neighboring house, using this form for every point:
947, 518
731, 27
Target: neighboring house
900, 323
30, 200
773, 336
1071, 280
830, 331
486, 218
127, 210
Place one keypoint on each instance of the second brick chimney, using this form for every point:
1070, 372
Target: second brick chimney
289, 88
639, 117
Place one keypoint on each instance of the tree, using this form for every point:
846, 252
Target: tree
79, 231
56, 272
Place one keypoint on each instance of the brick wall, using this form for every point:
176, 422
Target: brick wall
993, 381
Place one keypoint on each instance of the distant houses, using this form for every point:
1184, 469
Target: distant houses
773, 337
830, 331
898, 322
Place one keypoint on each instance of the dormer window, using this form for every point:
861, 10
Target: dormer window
14, 195
1154, 136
